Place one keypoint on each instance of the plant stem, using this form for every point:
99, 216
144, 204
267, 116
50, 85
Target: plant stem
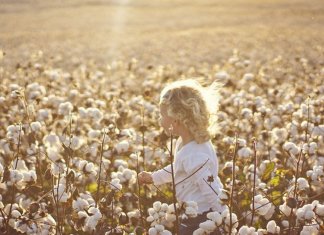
100, 166
254, 180
139, 192
233, 185
173, 187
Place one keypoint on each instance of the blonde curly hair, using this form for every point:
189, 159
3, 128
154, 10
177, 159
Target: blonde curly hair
194, 105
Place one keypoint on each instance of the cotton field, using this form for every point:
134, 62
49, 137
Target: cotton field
73, 141
80, 83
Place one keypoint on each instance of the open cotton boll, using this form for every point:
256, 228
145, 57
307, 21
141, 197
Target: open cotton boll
319, 210
199, 231
310, 229
80, 204
165, 232
302, 183
159, 227
115, 185
244, 152
272, 227
291, 148
35, 126
216, 217
170, 217
65, 108
245, 230
153, 231
157, 206
208, 225
122, 146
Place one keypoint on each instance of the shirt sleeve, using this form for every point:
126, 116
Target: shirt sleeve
162, 176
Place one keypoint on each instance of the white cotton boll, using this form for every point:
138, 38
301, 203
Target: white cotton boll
95, 212
44, 114
318, 131
312, 148
309, 215
65, 108
159, 227
165, 232
15, 176
216, 217
80, 204
51, 140
310, 230
30, 176
15, 214
302, 183
122, 146
115, 185
191, 212
285, 209
222, 76
247, 113
171, 209
81, 164
20, 165
95, 114
319, 209
151, 211
150, 219
161, 213
156, 216
291, 147
244, 152
272, 227
83, 113
208, 225
1, 173
300, 213
157, 206
270, 212
152, 231
248, 76
279, 134
93, 134
35, 126
76, 142
120, 162
170, 217
199, 231
245, 230
89, 167
82, 214
164, 207
285, 223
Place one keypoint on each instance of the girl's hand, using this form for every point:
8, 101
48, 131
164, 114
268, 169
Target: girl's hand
145, 178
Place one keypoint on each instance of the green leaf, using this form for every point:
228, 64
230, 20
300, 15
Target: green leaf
275, 181
276, 197
267, 173
92, 187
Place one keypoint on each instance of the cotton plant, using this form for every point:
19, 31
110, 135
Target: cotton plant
87, 214
158, 218
125, 175
263, 206
216, 220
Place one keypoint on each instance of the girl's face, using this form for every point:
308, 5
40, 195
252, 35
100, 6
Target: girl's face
166, 121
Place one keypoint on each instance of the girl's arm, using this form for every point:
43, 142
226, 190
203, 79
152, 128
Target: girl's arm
162, 176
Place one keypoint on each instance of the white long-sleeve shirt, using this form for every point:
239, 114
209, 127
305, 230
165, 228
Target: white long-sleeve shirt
193, 164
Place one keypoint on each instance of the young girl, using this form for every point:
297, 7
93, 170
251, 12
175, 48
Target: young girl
188, 111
